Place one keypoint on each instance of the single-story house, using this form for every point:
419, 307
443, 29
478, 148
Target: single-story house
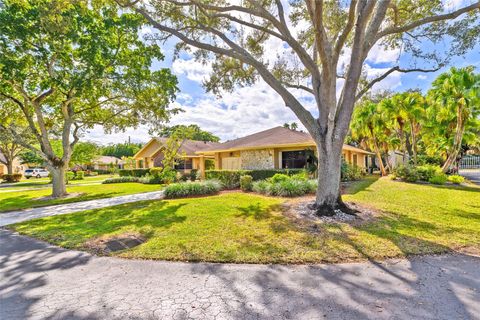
106, 163
274, 148
151, 155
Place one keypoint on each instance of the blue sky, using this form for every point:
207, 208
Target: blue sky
252, 109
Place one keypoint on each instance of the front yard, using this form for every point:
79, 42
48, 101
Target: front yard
239, 227
24, 199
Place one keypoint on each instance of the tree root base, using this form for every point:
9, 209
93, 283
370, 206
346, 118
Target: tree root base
328, 210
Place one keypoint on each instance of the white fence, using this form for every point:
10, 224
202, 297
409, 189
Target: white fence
470, 162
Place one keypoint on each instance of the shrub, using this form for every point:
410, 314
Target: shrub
289, 187
150, 180
279, 177
168, 175
456, 179
79, 175
155, 171
246, 182
427, 171
121, 180
89, 173
231, 178
350, 172
439, 178
406, 173
69, 175
16, 177
133, 172
184, 189
194, 175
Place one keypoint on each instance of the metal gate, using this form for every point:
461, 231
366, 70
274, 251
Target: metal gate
470, 162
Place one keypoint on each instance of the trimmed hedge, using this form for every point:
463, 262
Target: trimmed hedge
121, 180
16, 177
290, 187
184, 189
231, 178
133, 172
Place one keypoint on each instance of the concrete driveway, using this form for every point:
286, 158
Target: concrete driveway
39, 281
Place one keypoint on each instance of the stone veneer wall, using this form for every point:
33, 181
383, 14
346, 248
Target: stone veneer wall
256, 159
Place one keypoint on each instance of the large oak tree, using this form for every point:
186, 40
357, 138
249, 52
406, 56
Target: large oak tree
314, 36
70, 65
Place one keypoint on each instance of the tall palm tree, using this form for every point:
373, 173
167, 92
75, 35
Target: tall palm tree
368, 125
455, 99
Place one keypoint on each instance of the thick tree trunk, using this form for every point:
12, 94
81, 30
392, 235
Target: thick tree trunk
328, 198
59, 187
9, 167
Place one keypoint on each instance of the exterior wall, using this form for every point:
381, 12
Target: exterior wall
17, 167
153, 146
257, 159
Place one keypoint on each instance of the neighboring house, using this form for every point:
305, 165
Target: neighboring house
18, 167
106, 163
151, 155
275, 148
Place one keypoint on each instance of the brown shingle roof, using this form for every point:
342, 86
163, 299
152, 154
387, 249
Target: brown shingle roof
272, 137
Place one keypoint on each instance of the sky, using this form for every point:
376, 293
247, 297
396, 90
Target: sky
251, 109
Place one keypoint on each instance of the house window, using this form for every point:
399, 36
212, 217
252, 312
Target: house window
294, 159
184, 164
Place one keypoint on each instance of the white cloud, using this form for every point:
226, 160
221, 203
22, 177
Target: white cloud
422, 77
192, 69
391, 82
379, 54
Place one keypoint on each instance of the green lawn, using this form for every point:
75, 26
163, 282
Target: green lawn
238, 227
29, 198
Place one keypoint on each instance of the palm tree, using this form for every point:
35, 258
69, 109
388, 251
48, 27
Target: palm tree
368, 124
455, 102
294, 126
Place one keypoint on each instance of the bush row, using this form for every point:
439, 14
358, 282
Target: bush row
184, 189
11, 177
133, 172
231, 178
428, 173
121, 180
350, 172
285, 186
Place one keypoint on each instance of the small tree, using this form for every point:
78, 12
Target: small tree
194, 132
70, 65
313, 34
10, 149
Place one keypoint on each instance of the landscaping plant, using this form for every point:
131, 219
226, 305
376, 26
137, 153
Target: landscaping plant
185, 189
246, 183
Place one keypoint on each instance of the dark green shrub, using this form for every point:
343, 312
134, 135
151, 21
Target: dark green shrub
121, 180
133, 172
406, 173
184, 189
439, 178
150, 180
246, 183
456, 179
69, 175
194, 175
427, 171
268, 173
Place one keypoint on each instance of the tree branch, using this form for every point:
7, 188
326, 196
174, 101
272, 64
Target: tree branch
387, 73
427, 20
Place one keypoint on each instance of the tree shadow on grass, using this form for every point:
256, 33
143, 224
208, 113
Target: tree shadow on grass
354, 187
72, 230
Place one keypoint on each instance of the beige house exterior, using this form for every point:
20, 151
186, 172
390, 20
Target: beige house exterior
151, 155
276, 148
18, 167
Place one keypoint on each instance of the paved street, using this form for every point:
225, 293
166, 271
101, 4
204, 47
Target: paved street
29, 214
471, 174
39, 281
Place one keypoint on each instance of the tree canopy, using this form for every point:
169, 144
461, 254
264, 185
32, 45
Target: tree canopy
70, 65
194, 132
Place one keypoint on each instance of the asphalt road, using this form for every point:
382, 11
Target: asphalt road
472, 175
39, 281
